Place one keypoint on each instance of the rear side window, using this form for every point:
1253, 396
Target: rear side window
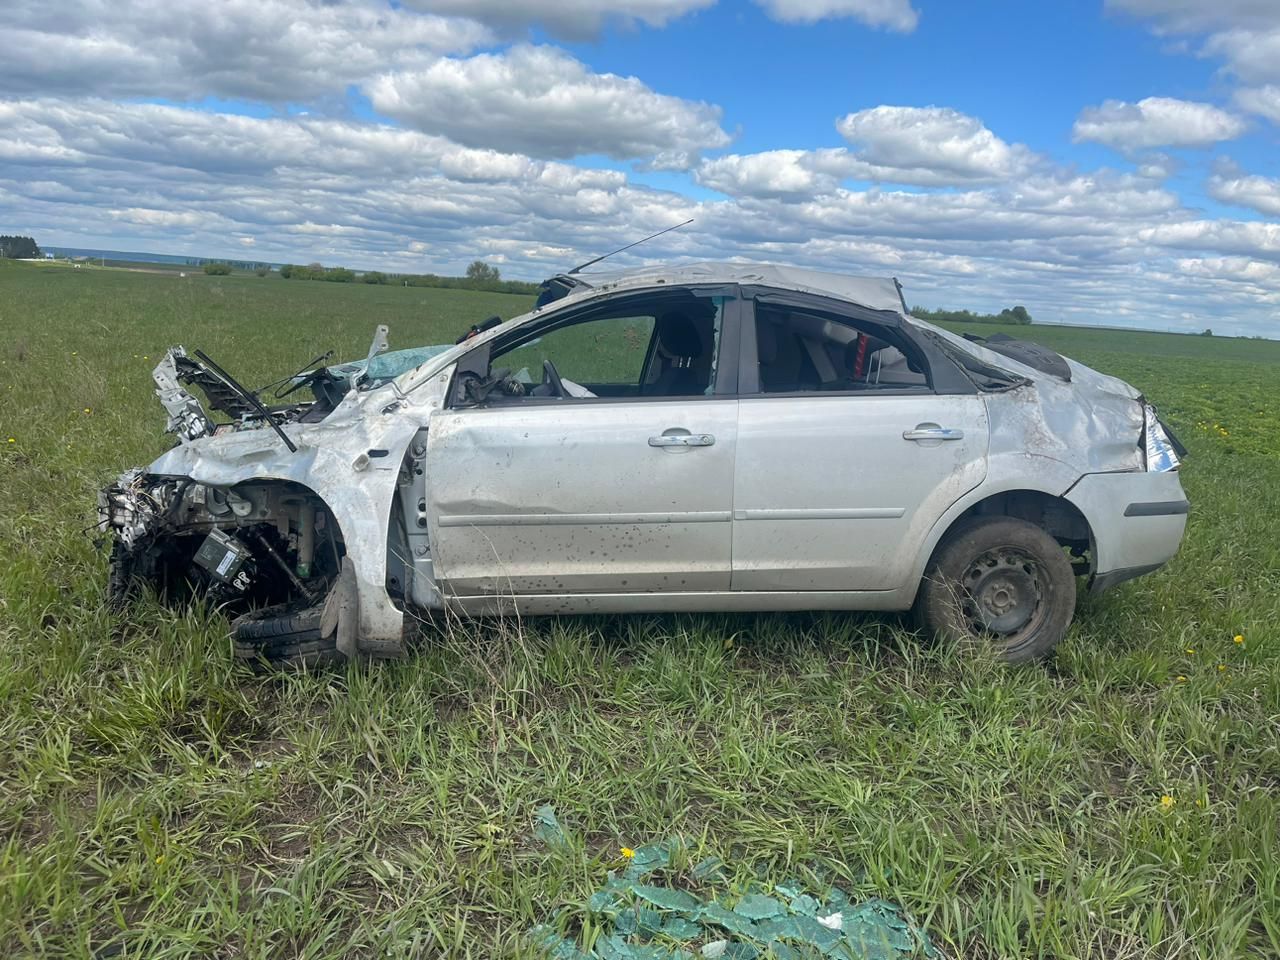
802, 352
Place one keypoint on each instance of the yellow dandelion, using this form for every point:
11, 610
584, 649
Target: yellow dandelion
87, 410
160, 859
1167, 802
1199, 802
628, 853
1238, 639
1180, 678
1222, 668
1191, 649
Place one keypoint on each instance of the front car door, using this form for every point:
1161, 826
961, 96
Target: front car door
600, 461
854, 437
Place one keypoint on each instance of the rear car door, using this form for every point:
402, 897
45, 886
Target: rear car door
622, 484
850, 448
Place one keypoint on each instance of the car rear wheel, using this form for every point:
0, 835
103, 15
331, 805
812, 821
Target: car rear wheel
1002, 581
283, 636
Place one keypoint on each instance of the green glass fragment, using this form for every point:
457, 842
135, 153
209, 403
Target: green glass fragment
733, 922
805, 904
678, 928
811, 932
554, 946
668, 899
603, 901
546, 827
790, 888
758, 907
640, 920
650, 857
648, 922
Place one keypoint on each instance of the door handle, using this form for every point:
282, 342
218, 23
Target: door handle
682, 440
931, 431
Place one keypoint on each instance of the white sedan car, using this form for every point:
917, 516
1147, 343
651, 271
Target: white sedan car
710, 437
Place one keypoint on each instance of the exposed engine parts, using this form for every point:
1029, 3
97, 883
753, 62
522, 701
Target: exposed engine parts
268, 542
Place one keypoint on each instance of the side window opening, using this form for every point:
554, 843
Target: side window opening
800, 352
658, 346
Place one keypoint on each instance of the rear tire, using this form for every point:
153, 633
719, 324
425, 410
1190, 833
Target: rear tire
283, 636
1001, 581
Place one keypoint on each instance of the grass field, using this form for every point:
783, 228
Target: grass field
156, 800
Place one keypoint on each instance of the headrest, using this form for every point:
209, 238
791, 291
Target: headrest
678, 335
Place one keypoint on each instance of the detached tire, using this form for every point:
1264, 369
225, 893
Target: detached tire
283, 636
1001, 581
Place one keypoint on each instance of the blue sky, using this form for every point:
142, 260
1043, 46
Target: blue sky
1110, 161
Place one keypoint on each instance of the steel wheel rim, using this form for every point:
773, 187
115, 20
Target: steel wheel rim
1004, 594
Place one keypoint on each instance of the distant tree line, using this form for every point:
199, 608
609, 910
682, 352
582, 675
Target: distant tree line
19, 248
1015, 315
254, 265
479, 276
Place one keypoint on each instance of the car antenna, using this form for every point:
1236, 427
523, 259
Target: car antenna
589, 263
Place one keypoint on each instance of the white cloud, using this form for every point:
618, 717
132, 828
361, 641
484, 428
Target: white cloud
773, 173
1245, 33
1189, 16
1156, 122
1098, 246
891, 14
270, 50
1263, 101
1157, 166
541, 101
576, 19
929, 145
1252, 55
1261, 194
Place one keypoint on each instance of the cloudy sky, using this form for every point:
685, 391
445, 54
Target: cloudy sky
1102, 161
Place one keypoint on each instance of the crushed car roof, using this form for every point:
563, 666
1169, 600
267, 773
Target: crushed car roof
874, 293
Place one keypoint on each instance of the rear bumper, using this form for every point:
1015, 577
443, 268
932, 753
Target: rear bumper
1137, 521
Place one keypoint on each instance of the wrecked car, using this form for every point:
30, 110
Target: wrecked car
710, 437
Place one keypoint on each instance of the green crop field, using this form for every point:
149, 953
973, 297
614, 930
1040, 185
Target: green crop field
159, 800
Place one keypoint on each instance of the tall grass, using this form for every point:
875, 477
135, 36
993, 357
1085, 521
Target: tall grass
156, 800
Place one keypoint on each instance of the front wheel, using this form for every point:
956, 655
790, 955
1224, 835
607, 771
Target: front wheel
1002, 581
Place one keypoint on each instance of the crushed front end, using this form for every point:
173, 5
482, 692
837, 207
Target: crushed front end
251, 545
273, 504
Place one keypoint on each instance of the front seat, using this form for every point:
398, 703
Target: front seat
680, 346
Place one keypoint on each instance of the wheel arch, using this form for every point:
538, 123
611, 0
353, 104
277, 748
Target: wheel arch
1050, 511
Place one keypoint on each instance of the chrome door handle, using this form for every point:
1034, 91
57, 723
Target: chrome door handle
682, 440
932, 432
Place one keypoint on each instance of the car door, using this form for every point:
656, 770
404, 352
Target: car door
838, 480
624, 487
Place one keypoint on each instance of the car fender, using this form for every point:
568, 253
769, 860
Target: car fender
1006, 472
